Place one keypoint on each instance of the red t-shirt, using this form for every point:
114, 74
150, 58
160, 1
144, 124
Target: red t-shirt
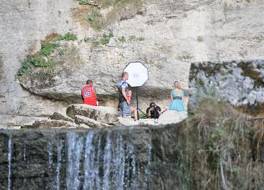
89, 95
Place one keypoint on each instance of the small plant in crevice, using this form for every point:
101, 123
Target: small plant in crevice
95, 19
43, 58
100, 41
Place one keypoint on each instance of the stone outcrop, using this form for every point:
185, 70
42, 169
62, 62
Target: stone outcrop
79, 116
43, 124
241, 83
60, 116
90, 122
105, 115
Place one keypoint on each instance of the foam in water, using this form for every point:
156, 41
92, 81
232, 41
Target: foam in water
9, 163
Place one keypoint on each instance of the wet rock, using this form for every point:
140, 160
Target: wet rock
90, 122
101, 114
51, 124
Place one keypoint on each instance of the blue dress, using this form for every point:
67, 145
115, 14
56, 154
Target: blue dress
177, 104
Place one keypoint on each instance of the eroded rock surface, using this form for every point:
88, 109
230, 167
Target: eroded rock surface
241, 83
105, 115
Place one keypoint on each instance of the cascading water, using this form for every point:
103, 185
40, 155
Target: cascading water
109, 162
76, 160
75, 148
9, 186
58, 167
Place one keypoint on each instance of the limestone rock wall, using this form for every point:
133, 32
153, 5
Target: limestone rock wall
167, 36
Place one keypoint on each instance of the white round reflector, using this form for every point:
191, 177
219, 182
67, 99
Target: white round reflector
137, 74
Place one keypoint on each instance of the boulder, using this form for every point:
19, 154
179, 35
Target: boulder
101, 114
60, 116
172, 117
89, 122
52, 124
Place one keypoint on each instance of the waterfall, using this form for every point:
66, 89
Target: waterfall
9, 163
75, 148
88, 162
24, 152
49, 148
106, 160
58, 167
120, 153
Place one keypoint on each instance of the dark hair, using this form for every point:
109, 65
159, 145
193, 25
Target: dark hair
152, 104
124, 73
89, 82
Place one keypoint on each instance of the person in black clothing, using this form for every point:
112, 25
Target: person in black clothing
153, 111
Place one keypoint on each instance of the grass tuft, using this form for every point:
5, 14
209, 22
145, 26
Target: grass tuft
43, 58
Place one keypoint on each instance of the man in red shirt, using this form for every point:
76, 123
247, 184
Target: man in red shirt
89, 94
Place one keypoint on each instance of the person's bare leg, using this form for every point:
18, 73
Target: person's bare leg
134, 112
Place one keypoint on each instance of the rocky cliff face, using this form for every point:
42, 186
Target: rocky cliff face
166, 35
241, 83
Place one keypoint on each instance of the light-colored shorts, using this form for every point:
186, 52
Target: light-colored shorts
125, 109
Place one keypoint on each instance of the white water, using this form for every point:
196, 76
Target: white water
75, 148
107, 162
58, 167
50, 161
98, 160
24, 152
9, 163
88, 162
101, 161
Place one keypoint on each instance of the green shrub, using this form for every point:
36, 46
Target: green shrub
43, 59
106, 38
84, 2
47, 48
68, 37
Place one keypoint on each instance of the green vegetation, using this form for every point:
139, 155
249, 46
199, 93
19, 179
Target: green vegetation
43, 58
84, 2
68, 37
103, 40
220, 148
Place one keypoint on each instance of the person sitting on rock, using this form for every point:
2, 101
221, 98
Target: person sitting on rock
89, 94
153, 111
125, 98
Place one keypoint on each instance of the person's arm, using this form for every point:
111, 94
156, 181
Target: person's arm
171, 97
82, 95
158, 109
124, 94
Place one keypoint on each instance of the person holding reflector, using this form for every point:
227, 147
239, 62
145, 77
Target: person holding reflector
138, 76
125, 95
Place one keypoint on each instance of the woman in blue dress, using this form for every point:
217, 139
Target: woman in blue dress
177, 98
